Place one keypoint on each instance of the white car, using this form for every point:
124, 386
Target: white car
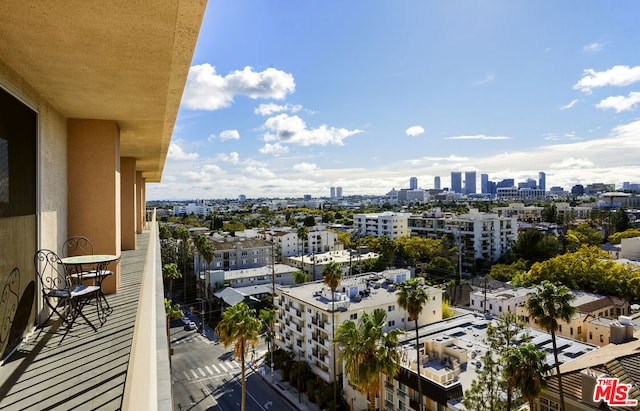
185, 320
191, 326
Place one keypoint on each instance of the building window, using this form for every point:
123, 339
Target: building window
601, 338
391, 323
473, 302
579, 329
548, 405
560, 327
353, 316
590, 335
571, 331
391, 308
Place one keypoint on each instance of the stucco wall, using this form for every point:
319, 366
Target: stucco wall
52, 160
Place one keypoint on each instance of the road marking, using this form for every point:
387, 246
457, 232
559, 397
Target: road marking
186, 375
201, 371
208, 370
223, 367
194, 373
234, 362
215, 368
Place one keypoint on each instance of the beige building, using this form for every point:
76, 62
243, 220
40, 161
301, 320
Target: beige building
305, 313
89, 93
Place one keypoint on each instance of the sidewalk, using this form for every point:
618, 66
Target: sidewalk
283, 388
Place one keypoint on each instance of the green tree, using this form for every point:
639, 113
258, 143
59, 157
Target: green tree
412, 297
268, 317
629, 233
299, 277
550, 213
486, 390
584, 234
367, 350
239, 327
332, 275
534, 245
164, 232
506, 272
440, 267
171, 311
525, 368
303, 236
170, 272
550, 304
620, 220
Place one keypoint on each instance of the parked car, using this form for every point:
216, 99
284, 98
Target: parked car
185, 320
191, 326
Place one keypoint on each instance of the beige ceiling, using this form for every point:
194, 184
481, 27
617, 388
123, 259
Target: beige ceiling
124, 60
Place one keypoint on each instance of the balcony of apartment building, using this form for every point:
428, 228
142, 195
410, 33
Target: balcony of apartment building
124, 364
90, 92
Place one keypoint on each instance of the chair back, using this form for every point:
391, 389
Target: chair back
50, 271
77, 245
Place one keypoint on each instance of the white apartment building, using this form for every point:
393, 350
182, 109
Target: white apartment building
534, 213
197, 208
393, 225
319, 240
304, 314
484, 236
313, 264
498, 302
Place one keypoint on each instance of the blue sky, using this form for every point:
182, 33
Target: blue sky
286, 98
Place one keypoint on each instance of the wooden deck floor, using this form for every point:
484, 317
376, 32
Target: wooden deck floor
87, 369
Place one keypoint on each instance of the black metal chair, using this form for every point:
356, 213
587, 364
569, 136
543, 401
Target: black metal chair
80, 245
64, 298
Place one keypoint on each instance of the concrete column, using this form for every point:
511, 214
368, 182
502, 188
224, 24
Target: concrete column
93, 179
140, 208
128, 202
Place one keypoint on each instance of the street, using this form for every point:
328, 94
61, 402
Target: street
205, 376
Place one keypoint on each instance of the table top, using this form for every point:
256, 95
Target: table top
89, 259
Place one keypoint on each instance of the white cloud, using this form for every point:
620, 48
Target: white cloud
275, 149
232, 157
305, 167
207, 90
414, 131
620, 103
570, 105
561, 137
593, 47
572, 163
229, 135
177, 153
292, 129
478, 137
487, 79
615, 76
259, 172
212, 168
271, 108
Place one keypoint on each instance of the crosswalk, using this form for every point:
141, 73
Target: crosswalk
189, 338
212, 370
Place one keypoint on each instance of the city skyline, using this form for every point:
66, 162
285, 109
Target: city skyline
295, 99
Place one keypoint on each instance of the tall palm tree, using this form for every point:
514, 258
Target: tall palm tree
550, 303
525, 368
240, 327
332, 275
268, 317
171, 311
199, 241
367, 350
412, 297
170, 272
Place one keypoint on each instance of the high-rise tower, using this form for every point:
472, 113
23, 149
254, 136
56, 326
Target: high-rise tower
413, 183
456, 181
470, 182
542, 181
436, 182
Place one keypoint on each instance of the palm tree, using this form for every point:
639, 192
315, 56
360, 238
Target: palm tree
332, 275
170, 272
171, 311
268, 317
367, 350
199, 241
412, 297
525, 368
239, 327
550, 303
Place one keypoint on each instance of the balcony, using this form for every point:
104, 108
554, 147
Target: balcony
103, 369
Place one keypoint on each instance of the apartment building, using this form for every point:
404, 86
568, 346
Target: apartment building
287, 243
531, 213
349, 260
588, 307
484, 236
89, 94
391, 224
498, 302
236, 254
305, 314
